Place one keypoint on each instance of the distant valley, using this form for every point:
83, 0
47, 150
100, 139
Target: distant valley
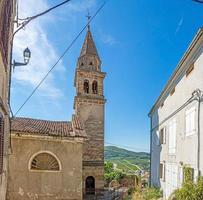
127, 161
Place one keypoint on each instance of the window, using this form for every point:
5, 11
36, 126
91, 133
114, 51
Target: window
82, 64
86, 86
5, 21
162, 171
189, 70
44, 161
172, 136
1, 142
163, 135
91, 63
157, 138
94, 87
190, 121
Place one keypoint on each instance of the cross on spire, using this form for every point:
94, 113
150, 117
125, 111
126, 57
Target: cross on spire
88, 19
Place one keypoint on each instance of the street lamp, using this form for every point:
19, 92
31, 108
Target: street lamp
26, 55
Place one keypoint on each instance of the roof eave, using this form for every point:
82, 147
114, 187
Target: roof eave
184, 57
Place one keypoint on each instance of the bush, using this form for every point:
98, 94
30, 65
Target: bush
147, 194
111, 174
152, 194
189, 191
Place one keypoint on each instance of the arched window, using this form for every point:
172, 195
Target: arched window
44, 161
82, 64
91, 63
94, 87
86, 86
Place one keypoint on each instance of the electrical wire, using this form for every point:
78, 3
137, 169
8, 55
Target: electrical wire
63, 54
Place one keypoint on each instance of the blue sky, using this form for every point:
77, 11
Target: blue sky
139, 42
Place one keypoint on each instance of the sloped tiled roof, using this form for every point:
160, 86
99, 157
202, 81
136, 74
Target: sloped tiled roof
89, 45
48, 128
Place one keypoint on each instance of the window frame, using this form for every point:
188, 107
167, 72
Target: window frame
162, 171
172, 126
190, 131
45, 171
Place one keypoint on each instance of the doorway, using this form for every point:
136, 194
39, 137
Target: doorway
90, 185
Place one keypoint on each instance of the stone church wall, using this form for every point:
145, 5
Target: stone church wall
25, 184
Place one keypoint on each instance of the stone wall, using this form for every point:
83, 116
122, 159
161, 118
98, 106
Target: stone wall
5, 48
25, 184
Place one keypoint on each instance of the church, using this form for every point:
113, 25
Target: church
63, 159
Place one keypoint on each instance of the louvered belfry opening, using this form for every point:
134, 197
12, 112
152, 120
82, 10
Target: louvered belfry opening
1, 143
45, 162
94, 87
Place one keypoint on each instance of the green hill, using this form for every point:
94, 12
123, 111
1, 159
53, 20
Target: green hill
127, 160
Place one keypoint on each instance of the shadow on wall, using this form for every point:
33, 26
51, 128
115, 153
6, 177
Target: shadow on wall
155, 150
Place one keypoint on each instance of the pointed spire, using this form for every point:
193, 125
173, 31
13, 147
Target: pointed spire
89, 45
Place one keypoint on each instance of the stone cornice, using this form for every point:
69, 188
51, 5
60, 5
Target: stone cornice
89, 99
93, 163
22, 135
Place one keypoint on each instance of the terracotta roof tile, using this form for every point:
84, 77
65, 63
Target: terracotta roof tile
48, 128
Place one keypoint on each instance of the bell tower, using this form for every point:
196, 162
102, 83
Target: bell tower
89, 105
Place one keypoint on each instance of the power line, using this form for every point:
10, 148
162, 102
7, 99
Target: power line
66, 50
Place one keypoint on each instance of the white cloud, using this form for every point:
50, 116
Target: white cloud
107, 38
179, 25
43, 53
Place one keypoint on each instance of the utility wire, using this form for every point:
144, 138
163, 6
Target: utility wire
66, 50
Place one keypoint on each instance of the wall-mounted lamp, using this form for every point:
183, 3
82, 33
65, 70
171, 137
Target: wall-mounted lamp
26, 55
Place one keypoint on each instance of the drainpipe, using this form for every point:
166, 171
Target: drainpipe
150, 175
198, 94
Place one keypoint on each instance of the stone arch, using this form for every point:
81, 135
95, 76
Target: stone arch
90, 185
95, 87
44, 161
86, 86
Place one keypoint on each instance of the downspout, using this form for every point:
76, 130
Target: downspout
150, 174
199, 98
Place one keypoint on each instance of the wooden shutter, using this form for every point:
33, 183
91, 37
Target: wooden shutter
1, 143
163, 135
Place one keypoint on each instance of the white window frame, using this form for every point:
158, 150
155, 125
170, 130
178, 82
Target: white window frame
157, 139
172, 134
163, 171
190, 121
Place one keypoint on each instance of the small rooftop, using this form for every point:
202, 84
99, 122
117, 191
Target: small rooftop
29, 126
